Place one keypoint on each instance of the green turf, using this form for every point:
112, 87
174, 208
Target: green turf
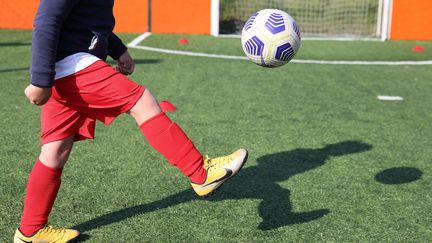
324, 152
319, 50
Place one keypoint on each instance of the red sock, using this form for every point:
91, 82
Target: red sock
42, 187
169, 139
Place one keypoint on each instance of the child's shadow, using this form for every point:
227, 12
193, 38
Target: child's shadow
261, 182
256, 182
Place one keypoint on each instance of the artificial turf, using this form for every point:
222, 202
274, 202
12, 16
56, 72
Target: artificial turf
328, 161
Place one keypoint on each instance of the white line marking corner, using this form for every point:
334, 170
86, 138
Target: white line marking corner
135, 44
138, 40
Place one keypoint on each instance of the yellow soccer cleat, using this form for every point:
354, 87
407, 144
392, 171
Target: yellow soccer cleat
48, 234
219, 170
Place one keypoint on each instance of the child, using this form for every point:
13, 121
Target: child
75, 87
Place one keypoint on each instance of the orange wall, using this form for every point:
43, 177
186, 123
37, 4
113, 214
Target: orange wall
411, 20
181, 16
131, 16
18, 14
173, 16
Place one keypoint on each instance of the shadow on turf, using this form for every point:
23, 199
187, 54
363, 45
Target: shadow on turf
14, 69
81, 238
256, 182
15, 44
398, 175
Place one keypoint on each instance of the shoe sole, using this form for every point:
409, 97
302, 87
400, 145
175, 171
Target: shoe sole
220, 185
73, 240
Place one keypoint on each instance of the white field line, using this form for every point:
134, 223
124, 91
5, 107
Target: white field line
187, 53
139, 39
389, 98
317, 38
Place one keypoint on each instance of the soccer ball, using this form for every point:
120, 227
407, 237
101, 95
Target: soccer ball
270, 38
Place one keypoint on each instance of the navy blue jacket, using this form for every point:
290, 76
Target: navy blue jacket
66, 27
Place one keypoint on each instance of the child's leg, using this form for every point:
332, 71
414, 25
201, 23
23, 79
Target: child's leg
43, 184
168, 138
100, 92
56, 154
145, 108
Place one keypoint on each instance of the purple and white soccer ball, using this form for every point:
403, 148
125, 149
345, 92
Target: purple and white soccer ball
270, 38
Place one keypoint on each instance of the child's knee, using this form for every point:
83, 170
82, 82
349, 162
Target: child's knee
146, 107
56, 154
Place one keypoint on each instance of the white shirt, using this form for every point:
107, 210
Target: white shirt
73, 64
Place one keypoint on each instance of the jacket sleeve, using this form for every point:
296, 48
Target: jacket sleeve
46, 30
115, 46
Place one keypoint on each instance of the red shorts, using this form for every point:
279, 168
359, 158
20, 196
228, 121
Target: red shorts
99, 92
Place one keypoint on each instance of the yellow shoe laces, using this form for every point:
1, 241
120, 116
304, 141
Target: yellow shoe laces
51, 230
210, 164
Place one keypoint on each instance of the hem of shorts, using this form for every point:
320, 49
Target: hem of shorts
77, 137
127, 108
